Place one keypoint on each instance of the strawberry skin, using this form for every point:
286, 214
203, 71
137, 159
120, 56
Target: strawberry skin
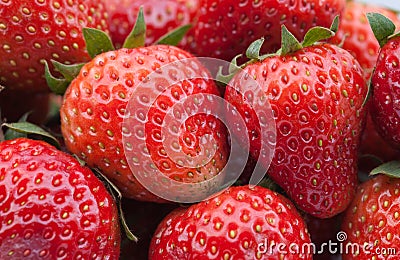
316, 95
95, 106
373, 218
231, 225
384, 81
160, 16
34, 31
356, 34
225, 28
52, 207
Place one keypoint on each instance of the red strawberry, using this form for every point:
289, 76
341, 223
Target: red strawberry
95, 106
34, 31
240, 223
160, 16
316, 95
372, 219
52, 207
385, 81
225, 28
356, 34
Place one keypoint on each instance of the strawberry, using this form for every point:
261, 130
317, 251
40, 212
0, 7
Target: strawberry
316, 93
385, 80
100, 125
34, 31
372, 219
240, 223
161, 17
52, 207
356, 35
225, 28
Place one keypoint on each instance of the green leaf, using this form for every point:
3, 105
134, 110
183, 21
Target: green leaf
137, 36
391, 169
116, 193
289, 42
382, 27
317, 34
175, 36
96, 41
57, 86
253, 51
335, 24
29, 128
68, 71
11, 134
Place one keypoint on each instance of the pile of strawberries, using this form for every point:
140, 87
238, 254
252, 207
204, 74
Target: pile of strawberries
120, 133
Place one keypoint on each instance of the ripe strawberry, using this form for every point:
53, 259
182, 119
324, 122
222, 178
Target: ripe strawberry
316, 94
52, 207
34, 31
356, 34
385, 80
240, 223
225, 28
160, 16
372, 219
95, 106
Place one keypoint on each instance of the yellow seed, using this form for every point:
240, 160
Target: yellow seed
56, 5
31, 29
232, 233
26, 11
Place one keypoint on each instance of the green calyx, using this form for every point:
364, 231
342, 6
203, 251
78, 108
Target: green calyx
391, 169
22, 128
383, 27
98, 42
289, 44
316, 34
